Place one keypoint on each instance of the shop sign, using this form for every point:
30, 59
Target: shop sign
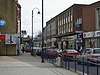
2, 37
80, 36
88, 34
12, 39
78, 25
71, 37
78, 31
97, 33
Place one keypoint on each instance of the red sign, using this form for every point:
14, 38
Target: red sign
2, 37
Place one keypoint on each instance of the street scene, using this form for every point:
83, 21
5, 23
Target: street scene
54, 37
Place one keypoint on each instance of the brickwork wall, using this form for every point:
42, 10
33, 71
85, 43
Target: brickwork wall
89, 17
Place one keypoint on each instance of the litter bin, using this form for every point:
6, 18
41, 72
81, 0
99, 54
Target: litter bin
33, 52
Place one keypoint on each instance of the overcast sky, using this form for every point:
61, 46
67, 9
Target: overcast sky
51, 9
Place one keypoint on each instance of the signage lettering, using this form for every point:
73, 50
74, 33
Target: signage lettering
98, 33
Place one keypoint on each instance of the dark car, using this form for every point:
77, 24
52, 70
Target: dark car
38, 51
27, 49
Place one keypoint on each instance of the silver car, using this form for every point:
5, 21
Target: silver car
92, 55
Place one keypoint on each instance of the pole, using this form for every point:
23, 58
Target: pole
33, 51
32, 34
42, 55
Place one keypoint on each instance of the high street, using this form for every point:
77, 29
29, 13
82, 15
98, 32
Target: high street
26, 64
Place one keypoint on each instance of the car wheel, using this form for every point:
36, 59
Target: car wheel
79, 62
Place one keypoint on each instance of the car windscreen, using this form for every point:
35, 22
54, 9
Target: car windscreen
71, 51
96, 51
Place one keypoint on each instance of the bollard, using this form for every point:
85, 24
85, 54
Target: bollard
75, 63
52, 58
83, 66
97, 68
68, 65
65, 64
87, 67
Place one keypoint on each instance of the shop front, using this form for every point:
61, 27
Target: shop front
89, 39
79, 41
97, 39
71, 41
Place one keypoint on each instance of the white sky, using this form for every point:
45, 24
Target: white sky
51, 9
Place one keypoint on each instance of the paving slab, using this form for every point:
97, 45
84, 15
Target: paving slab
29, 65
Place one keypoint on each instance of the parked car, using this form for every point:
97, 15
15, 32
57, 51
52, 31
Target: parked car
72, 53
38, 51
91, 55
27, 47
52, 51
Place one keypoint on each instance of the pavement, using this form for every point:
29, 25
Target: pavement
26, 64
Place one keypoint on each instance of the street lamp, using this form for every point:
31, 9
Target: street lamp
33, 53
42, 54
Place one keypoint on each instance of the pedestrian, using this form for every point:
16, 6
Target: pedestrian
22, 49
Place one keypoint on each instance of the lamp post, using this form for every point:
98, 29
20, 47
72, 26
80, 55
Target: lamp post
42, 55
33, 53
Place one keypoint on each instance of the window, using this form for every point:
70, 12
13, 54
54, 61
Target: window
87, 51
98, 18
58, 21
71, 18
96, 51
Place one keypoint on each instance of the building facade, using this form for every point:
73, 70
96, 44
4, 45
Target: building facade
77, 26
68, 25
10, 12
91, 25
51, 30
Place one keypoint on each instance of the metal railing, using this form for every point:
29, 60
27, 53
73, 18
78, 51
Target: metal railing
82, 67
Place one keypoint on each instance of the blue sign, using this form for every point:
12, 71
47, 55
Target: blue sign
79, 36
78, 25
40, 35
2, 22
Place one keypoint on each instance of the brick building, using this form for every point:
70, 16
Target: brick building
77, 26
91, 25
68, 24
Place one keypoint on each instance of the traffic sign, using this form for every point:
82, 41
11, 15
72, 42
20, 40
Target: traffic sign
2, 22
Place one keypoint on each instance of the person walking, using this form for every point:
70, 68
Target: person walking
22, 48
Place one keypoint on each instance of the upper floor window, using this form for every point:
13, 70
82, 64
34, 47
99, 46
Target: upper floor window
78, 21
98, 18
